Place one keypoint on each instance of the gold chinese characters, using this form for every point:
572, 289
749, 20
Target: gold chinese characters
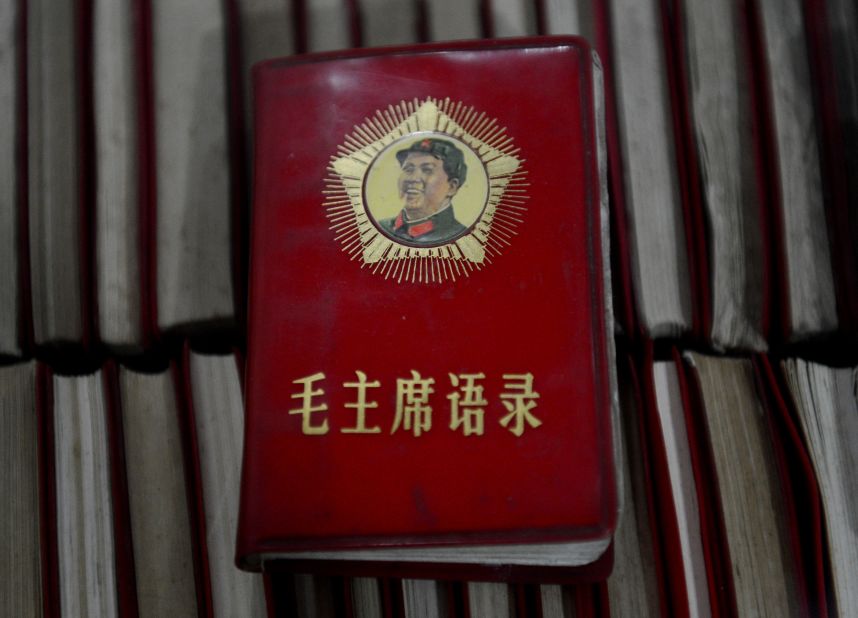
413, 410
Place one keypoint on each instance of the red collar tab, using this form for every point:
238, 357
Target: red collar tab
399, 222
421, 228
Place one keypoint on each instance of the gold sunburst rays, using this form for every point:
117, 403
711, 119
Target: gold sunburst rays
499, 209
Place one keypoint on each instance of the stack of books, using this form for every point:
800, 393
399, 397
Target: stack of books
147, 191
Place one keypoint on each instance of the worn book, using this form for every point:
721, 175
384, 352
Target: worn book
12, 193
429, 376
122, 189
195, 182
212, 390
826, 402
679, 509
831, 29
724, 200
732, 510
808, 301
20, 556
89, 570
58, 161
637, 585
649, 167
159, 510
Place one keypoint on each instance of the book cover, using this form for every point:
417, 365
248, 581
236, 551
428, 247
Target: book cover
428, 365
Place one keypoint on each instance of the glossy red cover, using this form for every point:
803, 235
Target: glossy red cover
536, 307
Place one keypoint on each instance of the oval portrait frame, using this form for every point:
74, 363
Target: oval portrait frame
383, 202
360, 231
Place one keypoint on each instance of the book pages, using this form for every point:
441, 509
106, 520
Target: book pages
513, 17
721, 112
632, 585
314, 596
681, 471
366, 598
84, 505
763, 569
193, 175
810, 284
20, 558
490, 599
328, 25
570, 17
54, 167
843, 28
157, 495
9, 190
267, 32
654, 210
219, 418
453, 19
389, 22
424, 598
117, 208
827, 402
555, 603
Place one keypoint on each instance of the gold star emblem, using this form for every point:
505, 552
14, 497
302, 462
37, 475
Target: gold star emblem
361, 191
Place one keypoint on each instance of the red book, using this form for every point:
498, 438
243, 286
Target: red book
429, 381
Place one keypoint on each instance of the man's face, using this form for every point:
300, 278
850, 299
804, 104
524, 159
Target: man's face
424, 186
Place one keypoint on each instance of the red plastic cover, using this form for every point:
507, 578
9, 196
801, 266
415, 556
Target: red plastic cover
427, 354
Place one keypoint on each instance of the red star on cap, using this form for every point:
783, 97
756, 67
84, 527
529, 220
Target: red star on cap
425, 143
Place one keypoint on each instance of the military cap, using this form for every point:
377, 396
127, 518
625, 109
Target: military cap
446, 152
